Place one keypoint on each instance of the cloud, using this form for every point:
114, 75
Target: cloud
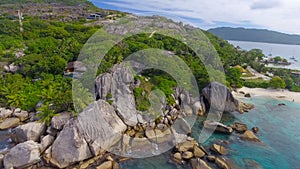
265, 4
279, 15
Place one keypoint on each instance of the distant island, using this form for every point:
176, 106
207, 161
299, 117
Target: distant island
255, 35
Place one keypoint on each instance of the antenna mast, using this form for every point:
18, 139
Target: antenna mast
20, 14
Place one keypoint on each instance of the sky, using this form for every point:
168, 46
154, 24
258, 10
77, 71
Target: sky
277, 15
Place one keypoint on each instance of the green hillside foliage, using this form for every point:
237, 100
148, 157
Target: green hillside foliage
255, 35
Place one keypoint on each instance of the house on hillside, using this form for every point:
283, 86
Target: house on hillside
75, 69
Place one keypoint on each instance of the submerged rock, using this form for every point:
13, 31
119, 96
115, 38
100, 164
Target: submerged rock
222, 164
199, 164
22, 155
177, 158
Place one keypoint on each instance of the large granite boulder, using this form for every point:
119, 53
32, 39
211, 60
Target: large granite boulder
197, 163
117, 85
217, 126
69, 147
101, 126
22, 155
221, 99
9, 123
30, 131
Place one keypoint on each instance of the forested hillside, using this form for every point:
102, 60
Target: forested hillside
255, 35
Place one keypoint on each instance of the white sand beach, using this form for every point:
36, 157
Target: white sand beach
274, 93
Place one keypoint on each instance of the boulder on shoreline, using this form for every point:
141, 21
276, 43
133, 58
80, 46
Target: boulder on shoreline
217, 126
22, 155
221, 99
9, 123
30, 131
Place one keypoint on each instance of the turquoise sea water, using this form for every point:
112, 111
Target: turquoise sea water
279, 132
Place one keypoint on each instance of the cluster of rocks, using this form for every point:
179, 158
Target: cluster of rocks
198, 157
10, 118
86, 140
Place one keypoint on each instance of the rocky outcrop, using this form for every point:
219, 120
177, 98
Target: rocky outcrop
30, 131
217, 126
199, 164
250, 136
22, 155
69, 147
221, 99
117, 84
1, 160
9, 123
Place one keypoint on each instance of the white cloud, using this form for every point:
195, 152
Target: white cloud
280, 15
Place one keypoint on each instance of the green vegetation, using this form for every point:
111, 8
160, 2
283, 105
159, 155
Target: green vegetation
49, 45
256, 83
277, 83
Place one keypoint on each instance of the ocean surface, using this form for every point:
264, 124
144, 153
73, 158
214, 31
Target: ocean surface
279, 132
283, 50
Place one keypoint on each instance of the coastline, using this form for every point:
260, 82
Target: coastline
280, 94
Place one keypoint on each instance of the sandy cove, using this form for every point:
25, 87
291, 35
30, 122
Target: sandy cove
274, 93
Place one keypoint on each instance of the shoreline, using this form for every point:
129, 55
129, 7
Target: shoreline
279, 94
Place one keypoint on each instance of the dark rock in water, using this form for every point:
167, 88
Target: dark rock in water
22, 155
221, 99
250, 136
247, 95
239, 127
241, 92
218, 149
218, 127
222, 164
252, 164
255, 129
211, 158
199, 164
281, 104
